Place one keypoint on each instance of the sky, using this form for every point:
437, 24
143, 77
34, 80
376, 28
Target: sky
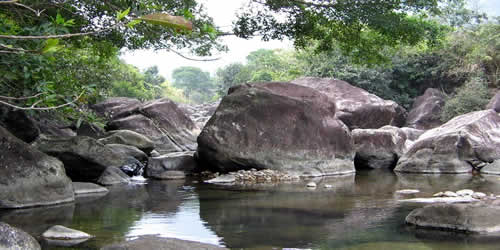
223, 12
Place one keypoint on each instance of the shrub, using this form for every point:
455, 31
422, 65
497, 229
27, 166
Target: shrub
472, 96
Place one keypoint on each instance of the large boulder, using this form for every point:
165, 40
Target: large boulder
19, 124
378, 148
131, 138
494, 103
150, 242
463, 143
116, 107
85, 159
29, 177
426, 110
279, 126
12, 238
129, 150
476, 218
163, 122
356, 107
181, 161
113, 176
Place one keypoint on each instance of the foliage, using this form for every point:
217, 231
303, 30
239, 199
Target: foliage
472, 96
359, 28
197, 84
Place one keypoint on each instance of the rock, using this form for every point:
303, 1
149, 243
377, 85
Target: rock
378, 148
466, 199
113, 176
59, 232
183, 161
477, 218
465, 192
222, 179
456, 146
162, 122
492, 168
328, 186
494, 103
12, 238
19, 124
150, 242
450, 194
311, 185
129, 150
29, 177
426, 110
171, 175
130, 138
356, 107
88, 188
155, 153
133, 167
278, 126
412, 134
85, 159
407, 191
116, 107
438, 194
478, 195
89, 129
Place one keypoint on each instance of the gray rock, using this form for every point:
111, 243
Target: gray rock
90, 130
182, 161
494, 103
378, 148
466, 199
59, 232
171, 175
356, 107
116, 107
477, 218
29, 177
465, 192
88, 188
156, 243
456, 146
19, 124
113, 176
227, 178
131, 138
426, 110
12, 238
277, 126
85, 159
129, 150
407, 191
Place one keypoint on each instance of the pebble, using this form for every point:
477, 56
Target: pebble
328, 186
311, 185
478, 195
438, 194
465, 192
408, 191
450, 194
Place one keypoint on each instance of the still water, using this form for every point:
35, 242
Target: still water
360, 211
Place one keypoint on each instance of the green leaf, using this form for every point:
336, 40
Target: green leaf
51, 45
59, 19
122, 14
132, 23
175, 22
78, 123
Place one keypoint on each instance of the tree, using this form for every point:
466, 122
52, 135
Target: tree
152, 76
197, 84
360, 28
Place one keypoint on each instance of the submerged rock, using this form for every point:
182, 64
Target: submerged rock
29, 177
150, 242
88, 188
12, 238
457, 146
356, 107
426, 110
59, 232
278, 126
477, 218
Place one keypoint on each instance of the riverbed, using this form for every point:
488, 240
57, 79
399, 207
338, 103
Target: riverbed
358, 211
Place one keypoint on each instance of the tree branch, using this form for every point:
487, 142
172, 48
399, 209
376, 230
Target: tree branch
32, 107
193, 59
59, 36
21, 98
16, 50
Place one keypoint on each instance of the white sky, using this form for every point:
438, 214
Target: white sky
223, 12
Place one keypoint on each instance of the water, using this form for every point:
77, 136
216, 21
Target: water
359, 212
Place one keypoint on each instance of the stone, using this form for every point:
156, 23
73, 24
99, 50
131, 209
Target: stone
494, 103
29, 177
130, 138
426, 110
476, 218
84, 158
59, 232
478, 195
278, 126
412, 134
450, 194
182, 161
89, 129
150, 242
222, 179
356, 107
407, 191
113, 176
378, 148
311, 185
456, 146
81, 188
12, 238
328, 186
116, 107
465, 192
19, 124
171, 175
129, 150
466, 199
438, 194
163, 122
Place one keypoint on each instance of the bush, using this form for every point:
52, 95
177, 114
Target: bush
472, 96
